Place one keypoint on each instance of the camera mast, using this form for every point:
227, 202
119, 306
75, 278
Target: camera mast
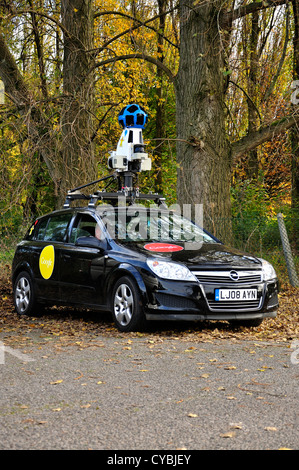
127, 160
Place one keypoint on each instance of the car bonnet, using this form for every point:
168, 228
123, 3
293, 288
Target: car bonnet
194, 254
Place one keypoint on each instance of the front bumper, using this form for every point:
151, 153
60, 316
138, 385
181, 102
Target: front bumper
179, 300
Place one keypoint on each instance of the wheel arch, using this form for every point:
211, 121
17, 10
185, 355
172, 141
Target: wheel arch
126, 269
18, 269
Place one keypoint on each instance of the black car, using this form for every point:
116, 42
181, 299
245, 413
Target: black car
141, 264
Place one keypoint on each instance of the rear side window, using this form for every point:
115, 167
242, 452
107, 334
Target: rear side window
41, 229
53, 228
56, 228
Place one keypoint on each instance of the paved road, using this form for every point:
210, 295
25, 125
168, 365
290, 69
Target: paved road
115, 393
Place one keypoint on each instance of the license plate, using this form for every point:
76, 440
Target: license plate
223, 295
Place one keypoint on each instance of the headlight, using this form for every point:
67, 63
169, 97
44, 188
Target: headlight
168, 270
268, 270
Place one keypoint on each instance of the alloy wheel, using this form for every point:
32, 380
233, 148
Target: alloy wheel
22, 294
123, 304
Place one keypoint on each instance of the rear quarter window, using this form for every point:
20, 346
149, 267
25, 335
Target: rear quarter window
52, 228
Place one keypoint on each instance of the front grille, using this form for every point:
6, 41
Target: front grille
237, 305
174, 301
223, 277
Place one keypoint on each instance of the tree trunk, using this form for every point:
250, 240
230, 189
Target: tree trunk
78, 160
203, 152
253, 118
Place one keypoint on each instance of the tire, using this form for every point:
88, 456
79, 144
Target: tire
127, 310
24, 295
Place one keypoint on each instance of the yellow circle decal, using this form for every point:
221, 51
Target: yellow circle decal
46, 261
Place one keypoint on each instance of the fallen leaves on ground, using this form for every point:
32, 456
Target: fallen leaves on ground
78, 327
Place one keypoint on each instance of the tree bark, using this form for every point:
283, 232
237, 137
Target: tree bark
205, 161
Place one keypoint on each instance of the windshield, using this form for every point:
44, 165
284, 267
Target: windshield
135, 224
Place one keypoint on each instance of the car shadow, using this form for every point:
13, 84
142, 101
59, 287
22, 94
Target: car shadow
93, 321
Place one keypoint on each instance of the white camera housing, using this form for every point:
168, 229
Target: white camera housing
130, 148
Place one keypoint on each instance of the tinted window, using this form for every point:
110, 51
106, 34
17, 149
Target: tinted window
31, 232
41, 229
56, 228
84, 227
139, 224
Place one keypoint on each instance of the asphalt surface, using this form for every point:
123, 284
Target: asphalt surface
134, 393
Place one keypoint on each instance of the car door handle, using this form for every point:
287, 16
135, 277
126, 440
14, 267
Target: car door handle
66, 256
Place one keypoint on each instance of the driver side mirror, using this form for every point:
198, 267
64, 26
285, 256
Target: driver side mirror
91, 242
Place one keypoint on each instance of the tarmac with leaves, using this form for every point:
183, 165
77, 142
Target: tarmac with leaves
70, 380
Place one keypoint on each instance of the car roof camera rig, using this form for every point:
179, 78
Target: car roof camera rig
127, 160
130, 155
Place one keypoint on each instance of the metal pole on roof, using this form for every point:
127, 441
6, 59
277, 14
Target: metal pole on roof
287, 251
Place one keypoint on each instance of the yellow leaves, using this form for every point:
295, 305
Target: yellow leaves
264, 368
56, 382
126, 81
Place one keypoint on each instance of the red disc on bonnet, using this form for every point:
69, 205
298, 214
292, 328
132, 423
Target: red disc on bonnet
163, 247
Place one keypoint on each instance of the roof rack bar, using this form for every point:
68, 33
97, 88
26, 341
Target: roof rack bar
128, 196
125, 190
112, 196
92, 182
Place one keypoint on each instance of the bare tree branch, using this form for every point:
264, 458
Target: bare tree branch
140, 23
137, 26
263, 134
283, 55
39, 13
148, 58
227, 18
